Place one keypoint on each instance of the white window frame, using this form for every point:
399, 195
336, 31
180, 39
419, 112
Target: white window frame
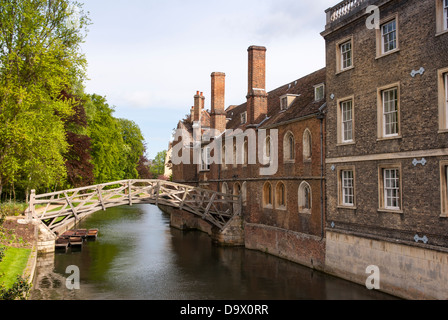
348, 188
445, 14
346, 62
391, 187
347, 123
393, 32
446, 96
284, 103
387, 122
316, 91
205, 159
244, 117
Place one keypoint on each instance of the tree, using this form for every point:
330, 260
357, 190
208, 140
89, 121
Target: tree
40, 57
107, 140
158, 165
133, 148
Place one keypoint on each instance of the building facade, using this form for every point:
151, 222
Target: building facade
387, 144
356, 154
269, 150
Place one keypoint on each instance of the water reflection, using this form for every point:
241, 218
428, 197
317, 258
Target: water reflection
137, 256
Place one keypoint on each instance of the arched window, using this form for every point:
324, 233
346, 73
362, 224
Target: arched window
267, 195
307, 145
305, 198
245, 153
280, 196
223, 157
288, 147
234, 155
225, 188
237, 189
244, 193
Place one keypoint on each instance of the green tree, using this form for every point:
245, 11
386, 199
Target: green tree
158, 165
133, 148
106, 139
40, 57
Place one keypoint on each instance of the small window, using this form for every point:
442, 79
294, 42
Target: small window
445, 14
307, 145
347, 188
346, 55
444, 187
280, 196
347, 121
305, 198
267, 195
445, 77
443, 99
319, 92
288, 147
390, 112
389, 36
390, 188
206, 159
244, 118
284, 103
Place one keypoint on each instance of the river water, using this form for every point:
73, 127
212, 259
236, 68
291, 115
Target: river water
138, 256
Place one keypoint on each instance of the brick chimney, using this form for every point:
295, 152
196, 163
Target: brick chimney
218, 113
199, 100
257, 102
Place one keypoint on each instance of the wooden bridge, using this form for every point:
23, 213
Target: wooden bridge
58, 209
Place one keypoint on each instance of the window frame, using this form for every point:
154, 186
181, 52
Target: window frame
289, 154
442, 79
381, 117
382, 188
342, 187
445, 14
267, 196
280, 196
316, 88
307, 145
444, 188
243, 117
387, 34
380, 52
305, 203
206, 163
341, 123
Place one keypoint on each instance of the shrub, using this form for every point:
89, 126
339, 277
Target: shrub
20, 290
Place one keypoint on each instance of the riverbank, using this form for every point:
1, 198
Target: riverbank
23, 237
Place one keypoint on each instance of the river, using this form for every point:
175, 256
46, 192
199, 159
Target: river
138, 256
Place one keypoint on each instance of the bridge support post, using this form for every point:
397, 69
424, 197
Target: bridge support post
232, 235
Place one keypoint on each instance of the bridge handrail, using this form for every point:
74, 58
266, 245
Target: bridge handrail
74, 204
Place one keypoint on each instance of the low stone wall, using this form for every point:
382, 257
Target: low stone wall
405, 271
301, 248
232, 235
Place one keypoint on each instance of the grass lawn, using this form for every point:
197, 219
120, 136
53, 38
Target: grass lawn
13, 264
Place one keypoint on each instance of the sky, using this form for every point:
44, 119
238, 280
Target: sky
150, 57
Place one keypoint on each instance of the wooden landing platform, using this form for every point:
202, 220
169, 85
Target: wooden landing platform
75, 238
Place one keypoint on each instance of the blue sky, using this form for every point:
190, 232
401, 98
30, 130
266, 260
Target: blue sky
148, 57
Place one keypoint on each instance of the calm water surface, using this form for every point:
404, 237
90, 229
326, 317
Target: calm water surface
137, 256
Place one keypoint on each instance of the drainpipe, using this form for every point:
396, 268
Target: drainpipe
321, 117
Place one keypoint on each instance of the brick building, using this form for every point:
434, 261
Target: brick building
271, 152
362, 150
387, 144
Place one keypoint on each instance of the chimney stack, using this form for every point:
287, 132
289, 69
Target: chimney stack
257, 103
218, 113
198, 106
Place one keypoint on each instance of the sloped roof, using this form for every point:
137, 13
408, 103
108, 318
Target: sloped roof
303, 105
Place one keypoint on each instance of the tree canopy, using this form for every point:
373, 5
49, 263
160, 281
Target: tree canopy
52, 133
